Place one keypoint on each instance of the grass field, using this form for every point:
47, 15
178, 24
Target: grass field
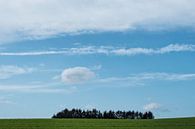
183, 123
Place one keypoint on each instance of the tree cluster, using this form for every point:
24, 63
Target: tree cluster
96, 114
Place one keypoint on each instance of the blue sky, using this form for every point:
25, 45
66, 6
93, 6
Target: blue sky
89, 54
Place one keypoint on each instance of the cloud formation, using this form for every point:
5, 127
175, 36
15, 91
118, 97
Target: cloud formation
152, 106
149, 76
149, 51
8, 71
164, 76
4, 101
34, 19
108, 50
29, 88
77, 75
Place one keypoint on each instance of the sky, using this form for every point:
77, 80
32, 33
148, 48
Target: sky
104, 54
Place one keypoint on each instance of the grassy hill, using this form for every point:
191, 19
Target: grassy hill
181, 123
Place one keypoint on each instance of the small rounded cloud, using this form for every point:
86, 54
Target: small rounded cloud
77, 75
152, 106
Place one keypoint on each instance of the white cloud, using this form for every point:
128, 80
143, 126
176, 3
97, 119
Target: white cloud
149, 76
149, 51
152, 106
164, 76
96, 67
176, 48
35, 88
66, 51
32, 19
4, 101
133, 51
108, 50
7, 71
77, 75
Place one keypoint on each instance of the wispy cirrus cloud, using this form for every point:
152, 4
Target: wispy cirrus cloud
150, 51
35, 19
153, 76
35, 88
140, 79
108, 50
8, 71
4, 101
164, 76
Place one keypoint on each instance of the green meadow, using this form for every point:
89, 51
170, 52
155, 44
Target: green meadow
179, 123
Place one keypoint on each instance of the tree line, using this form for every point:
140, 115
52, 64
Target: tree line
97, 114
